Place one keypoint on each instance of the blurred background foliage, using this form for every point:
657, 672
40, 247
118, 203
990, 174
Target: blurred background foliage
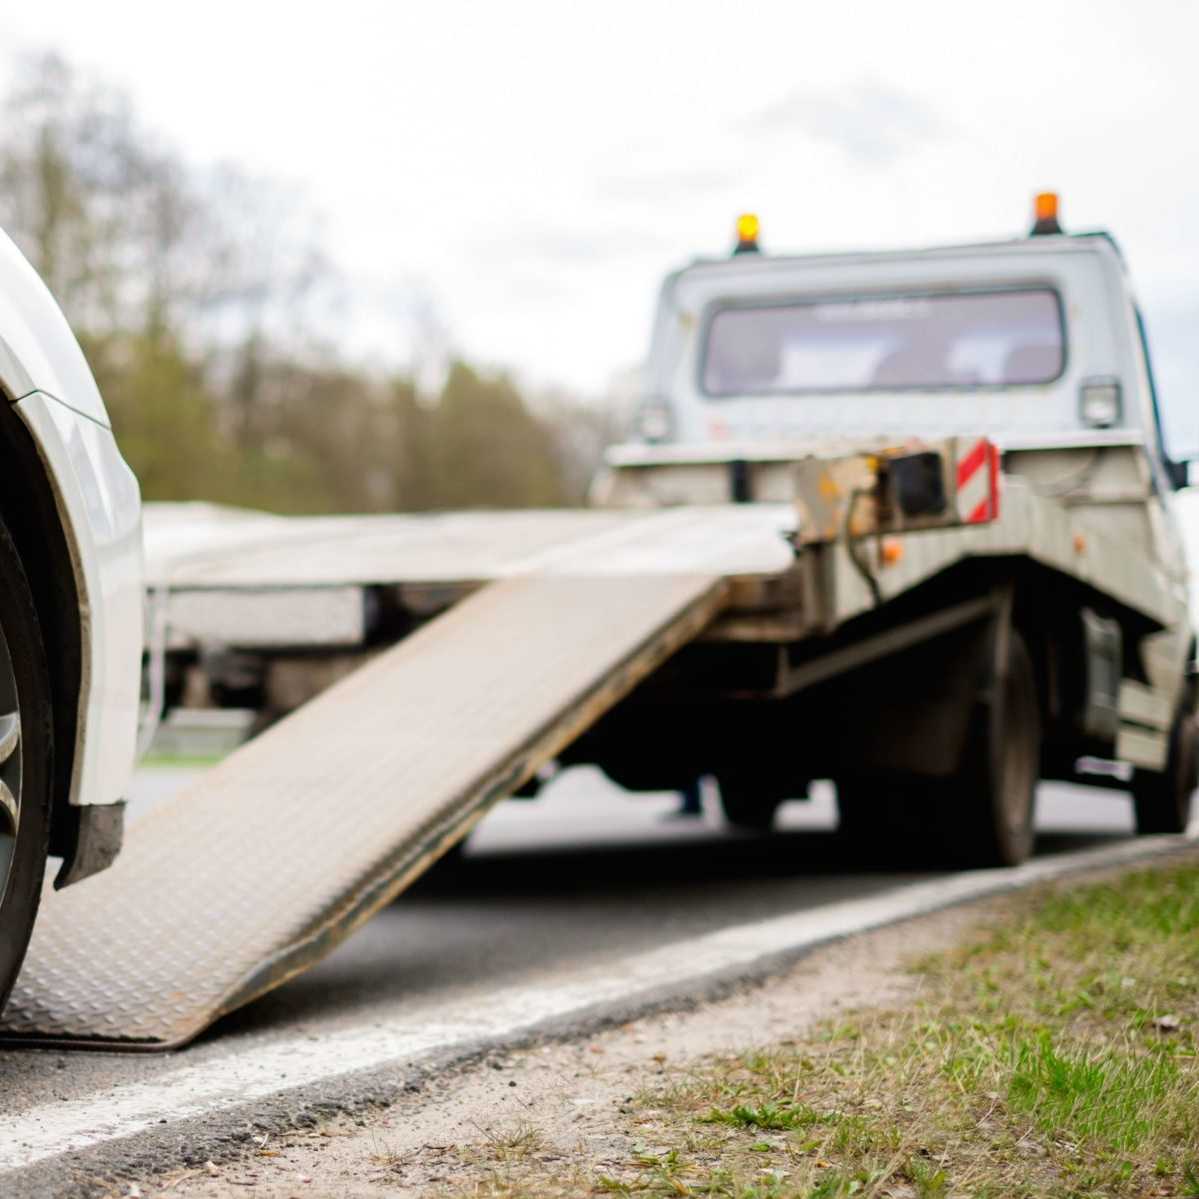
197, 294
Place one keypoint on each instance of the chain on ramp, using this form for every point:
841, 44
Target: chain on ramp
261, 868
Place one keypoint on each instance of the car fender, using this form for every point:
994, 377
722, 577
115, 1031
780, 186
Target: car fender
100, 510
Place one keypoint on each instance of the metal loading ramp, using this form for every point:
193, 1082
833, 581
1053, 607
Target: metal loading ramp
259, 870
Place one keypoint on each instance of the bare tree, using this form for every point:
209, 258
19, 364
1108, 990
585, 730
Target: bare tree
202, 296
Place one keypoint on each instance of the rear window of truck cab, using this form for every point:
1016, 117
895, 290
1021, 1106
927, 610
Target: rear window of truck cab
986, 339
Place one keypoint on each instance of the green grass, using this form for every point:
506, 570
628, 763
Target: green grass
1054, 1054
770, 1116
153, 761
1108, 1097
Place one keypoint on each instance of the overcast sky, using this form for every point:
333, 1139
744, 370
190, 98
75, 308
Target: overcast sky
536, 167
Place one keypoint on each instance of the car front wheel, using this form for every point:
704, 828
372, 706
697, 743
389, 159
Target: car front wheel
25, 749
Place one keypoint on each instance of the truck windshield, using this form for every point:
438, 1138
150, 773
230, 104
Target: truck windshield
964, 339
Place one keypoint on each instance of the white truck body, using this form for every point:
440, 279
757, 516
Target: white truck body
1040, 424
1086, 274
765, 372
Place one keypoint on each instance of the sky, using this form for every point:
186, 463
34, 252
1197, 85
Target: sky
526, 172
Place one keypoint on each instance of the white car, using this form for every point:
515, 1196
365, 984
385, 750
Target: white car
70, 610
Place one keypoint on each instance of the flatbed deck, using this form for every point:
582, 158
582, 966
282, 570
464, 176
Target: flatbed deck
254, 580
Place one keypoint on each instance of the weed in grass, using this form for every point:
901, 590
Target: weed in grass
1104, 1097
832, 1187
1190, 1180
608, 1185
771, 1117
511, 1144
860, 1136
930, 1181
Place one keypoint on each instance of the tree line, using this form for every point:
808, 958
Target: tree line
198, 295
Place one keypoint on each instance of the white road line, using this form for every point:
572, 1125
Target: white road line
247, 1075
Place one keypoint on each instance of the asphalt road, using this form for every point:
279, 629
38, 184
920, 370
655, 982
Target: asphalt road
583, 875
588, 872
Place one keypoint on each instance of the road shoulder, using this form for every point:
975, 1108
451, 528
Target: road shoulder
1030, 1044
557, 1104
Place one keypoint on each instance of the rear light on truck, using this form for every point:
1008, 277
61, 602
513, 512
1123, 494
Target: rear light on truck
1100, 404
655, 421
937, 484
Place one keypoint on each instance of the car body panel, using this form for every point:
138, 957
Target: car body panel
100, 507
38, 351
46, 377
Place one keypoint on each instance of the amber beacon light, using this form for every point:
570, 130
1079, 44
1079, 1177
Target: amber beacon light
747, 234
1045, 214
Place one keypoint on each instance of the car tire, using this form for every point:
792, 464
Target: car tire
26, 743
1162, 799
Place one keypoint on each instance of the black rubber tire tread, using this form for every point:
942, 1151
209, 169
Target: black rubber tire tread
22, 630
973, 828
747, 803
1162, 800
958, 821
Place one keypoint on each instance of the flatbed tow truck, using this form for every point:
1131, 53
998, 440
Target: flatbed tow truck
904, 520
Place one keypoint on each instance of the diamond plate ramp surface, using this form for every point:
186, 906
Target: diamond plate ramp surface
258, 870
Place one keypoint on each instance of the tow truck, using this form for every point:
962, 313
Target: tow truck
901, 519
993, 578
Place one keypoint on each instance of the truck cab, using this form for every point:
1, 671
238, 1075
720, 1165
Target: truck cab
1035, 343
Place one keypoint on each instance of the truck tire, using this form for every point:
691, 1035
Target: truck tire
982, 815
747, 802
25, 760
1162, 800
987, 814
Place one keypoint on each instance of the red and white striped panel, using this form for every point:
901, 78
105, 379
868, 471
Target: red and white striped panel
978, 481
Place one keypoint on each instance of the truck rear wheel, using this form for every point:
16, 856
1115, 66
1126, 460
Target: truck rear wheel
25, 746
983, 814
1162, 800
988, 814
